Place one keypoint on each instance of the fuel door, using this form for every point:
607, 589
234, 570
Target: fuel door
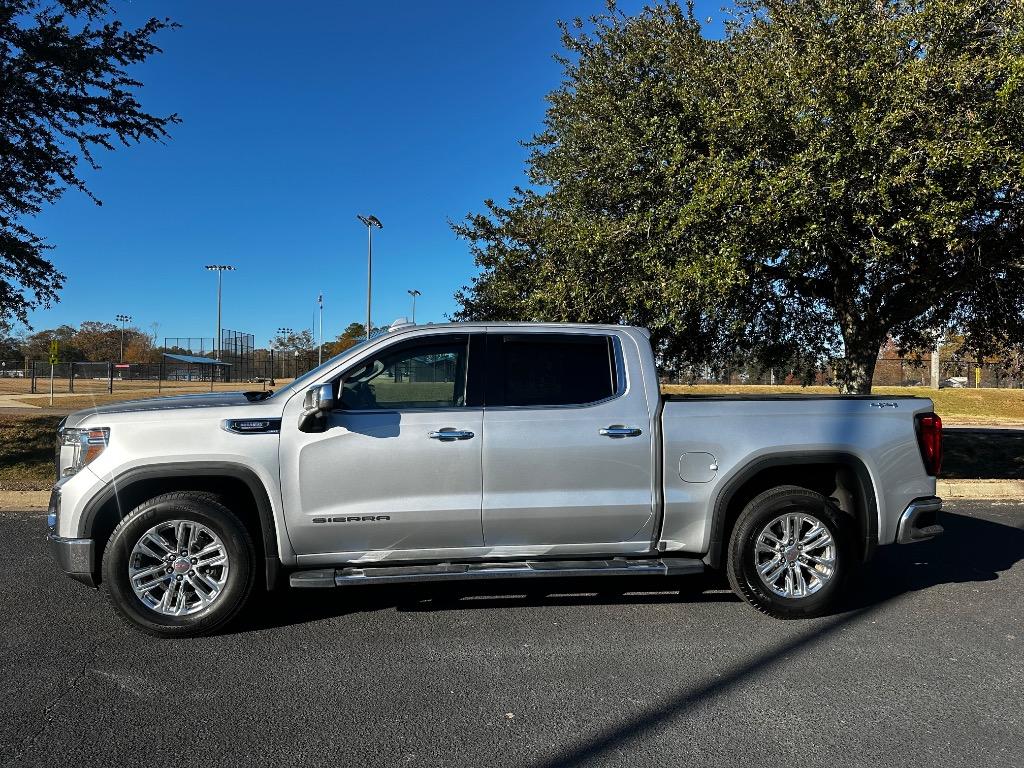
698, 467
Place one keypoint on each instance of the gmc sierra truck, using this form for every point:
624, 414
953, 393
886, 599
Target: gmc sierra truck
484, 451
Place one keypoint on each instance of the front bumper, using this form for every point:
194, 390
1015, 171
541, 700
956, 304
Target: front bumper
919, 521
75, 557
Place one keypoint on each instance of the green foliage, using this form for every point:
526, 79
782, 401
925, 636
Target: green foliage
294, 341
65, 91
92, 341
831, 173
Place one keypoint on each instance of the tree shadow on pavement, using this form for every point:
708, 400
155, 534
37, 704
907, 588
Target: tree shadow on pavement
971, 550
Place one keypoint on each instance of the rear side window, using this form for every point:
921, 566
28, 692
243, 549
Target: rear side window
550, 369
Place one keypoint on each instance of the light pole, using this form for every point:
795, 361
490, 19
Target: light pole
370, 222
286, 333
320, 345
220, 269
414, 293
122, 319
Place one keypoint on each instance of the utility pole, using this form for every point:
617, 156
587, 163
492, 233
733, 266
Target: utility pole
370, 222
220, 269
414, 293
936, 368
122, 319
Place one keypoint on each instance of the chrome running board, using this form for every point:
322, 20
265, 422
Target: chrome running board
531, 569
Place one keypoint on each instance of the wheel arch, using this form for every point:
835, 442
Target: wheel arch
845, 472
235, 485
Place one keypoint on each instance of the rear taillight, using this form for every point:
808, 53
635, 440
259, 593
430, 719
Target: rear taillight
929, 439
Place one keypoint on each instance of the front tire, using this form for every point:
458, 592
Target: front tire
790, 552
180, 565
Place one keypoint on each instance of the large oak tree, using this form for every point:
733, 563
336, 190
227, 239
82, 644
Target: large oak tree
829, 174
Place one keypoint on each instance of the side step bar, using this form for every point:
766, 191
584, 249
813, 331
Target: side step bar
340, 577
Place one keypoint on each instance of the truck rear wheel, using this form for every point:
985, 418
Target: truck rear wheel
179, 565
790, 552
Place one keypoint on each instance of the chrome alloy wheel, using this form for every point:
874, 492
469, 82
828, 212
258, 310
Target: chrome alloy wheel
795, 555
178, 567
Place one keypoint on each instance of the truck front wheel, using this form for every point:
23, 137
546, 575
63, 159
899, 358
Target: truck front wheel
790, 552
179, 565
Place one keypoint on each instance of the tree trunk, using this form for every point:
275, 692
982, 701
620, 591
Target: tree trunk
855, 371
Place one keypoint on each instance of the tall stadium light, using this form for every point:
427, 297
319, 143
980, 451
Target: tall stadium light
320, 345
414, 293
370, 222
220, 269
122, 319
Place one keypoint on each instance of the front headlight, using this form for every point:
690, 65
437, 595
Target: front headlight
77, 447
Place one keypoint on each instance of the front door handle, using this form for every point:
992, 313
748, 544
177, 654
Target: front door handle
450, 434
616, 431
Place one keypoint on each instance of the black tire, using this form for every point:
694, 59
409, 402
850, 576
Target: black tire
199, 507
741, 563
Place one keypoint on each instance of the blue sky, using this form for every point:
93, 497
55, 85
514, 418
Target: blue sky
294, 122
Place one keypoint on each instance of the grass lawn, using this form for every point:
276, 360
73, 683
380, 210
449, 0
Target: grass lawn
26, 452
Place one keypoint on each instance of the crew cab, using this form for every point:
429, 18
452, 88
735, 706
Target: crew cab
484, 451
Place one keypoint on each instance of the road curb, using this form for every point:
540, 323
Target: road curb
980, 489
11, 501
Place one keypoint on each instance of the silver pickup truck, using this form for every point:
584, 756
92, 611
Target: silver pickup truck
484, 451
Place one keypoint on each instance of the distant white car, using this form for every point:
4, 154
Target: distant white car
955, 382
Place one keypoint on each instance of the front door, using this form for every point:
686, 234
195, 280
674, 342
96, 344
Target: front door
398, 467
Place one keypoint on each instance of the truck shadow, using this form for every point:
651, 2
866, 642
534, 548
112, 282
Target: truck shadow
972, 550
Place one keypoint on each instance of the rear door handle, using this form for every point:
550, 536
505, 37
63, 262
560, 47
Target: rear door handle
621, 431
448, 435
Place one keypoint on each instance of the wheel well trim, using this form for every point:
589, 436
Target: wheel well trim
177, 470
867, 498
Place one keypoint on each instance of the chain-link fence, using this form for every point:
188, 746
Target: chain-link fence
173, 374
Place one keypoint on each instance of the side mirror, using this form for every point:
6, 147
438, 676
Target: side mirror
319, 399
315, 405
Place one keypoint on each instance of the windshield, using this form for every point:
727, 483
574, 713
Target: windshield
309, 376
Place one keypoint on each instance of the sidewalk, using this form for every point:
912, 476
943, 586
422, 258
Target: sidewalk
8, 401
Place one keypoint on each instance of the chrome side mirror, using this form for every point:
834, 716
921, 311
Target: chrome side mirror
319, 399
315, 405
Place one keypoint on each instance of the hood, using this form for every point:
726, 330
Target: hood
211, 400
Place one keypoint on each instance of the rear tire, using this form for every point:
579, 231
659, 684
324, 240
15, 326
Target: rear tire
790, 553
179, 565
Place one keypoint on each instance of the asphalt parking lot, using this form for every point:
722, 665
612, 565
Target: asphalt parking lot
923, 666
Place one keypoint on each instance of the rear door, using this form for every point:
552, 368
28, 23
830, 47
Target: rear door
567, 450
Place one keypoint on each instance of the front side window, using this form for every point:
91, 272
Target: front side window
550, 369
412, 375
